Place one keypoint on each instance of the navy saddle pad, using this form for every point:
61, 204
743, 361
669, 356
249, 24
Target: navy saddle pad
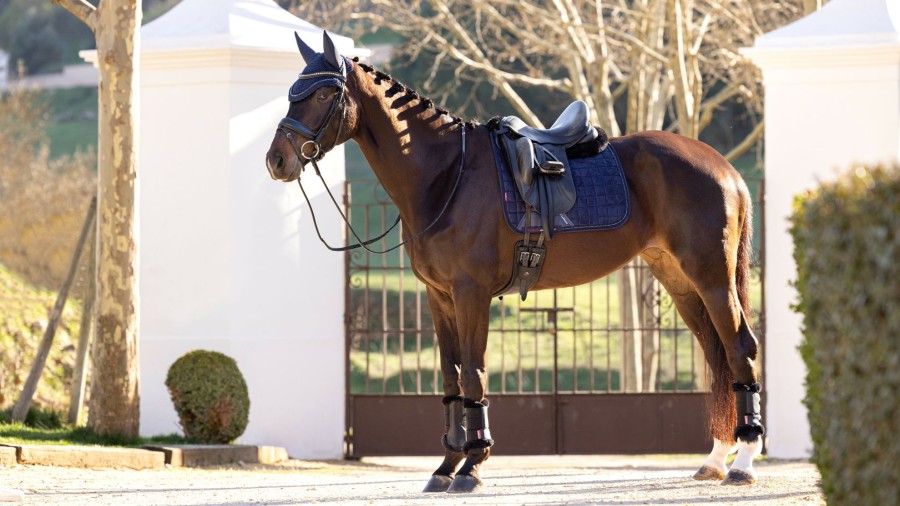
601, 202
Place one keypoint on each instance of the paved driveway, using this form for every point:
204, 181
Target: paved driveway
397, 480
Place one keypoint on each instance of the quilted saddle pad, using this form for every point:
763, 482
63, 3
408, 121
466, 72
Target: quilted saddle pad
602, 201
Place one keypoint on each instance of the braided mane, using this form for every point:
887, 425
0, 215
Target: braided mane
398, 87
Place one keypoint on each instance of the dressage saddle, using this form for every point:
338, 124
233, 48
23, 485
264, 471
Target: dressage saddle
540, 166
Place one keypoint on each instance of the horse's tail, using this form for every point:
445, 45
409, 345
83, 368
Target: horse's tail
742, 269
722, 414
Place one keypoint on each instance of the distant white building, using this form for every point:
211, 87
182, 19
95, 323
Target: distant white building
838, 67
4, 68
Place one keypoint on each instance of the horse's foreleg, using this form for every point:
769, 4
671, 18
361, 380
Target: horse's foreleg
454, 438
472, 319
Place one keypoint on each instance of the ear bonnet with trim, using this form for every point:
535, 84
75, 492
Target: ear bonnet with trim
322, 69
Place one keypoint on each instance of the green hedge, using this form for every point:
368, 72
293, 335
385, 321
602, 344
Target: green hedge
847, 249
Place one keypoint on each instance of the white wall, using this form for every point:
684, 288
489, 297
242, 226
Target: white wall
229, 259
830, 102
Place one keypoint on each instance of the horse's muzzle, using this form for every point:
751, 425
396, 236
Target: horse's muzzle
280, 169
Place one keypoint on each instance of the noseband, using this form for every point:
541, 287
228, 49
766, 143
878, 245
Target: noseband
290, 126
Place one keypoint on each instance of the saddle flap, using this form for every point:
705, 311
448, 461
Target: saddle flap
525, 160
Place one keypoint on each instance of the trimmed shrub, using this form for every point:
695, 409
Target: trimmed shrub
210, 396
847, 249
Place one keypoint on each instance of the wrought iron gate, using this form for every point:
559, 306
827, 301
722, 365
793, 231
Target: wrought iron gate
589, 369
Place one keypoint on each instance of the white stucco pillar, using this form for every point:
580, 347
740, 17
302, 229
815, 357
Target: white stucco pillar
229, 259
832, 98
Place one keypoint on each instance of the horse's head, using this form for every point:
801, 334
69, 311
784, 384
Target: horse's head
317, 118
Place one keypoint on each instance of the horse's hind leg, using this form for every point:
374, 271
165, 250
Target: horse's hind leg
722, 283
692, 310
454, 415
741, 348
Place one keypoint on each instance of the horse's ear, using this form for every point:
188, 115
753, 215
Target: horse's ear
331, 53
307, 52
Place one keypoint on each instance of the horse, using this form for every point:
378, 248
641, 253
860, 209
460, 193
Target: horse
690, 221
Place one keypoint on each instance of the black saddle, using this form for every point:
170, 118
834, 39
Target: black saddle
540, 167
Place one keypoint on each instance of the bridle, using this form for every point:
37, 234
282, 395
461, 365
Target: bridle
289, 127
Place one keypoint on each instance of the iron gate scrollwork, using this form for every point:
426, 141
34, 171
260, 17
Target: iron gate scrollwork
607, 367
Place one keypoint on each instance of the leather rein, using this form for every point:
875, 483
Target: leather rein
290, 126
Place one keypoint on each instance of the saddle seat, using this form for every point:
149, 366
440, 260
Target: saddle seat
570, 128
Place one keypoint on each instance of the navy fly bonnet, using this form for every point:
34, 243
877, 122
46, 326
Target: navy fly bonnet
319, 72
327, 68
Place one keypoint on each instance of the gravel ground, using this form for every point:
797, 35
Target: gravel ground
614, 480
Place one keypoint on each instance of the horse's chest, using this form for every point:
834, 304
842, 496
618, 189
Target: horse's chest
428, 270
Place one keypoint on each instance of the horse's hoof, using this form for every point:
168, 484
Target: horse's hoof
438, 483
739, 477
465, 484
709, 473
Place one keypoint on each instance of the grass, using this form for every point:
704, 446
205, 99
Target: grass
17, 433
73, 120
24, 309
388, 332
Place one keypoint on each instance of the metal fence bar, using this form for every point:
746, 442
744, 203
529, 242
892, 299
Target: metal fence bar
678, 373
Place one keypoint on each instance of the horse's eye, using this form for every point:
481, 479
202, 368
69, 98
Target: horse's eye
322, 96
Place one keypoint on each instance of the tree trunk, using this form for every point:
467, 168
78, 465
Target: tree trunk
85, 330
114, 389
632, 365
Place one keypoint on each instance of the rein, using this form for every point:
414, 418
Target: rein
365, 244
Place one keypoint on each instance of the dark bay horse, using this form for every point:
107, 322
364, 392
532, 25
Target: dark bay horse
690, 221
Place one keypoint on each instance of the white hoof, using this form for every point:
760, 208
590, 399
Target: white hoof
714, 468
742, 472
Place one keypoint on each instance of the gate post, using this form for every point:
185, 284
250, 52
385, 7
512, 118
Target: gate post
230, 261
832, 96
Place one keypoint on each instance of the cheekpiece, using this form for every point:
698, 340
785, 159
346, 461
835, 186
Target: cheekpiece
318, 74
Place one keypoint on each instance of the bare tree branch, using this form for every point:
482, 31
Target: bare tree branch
747, 143
81, 9
668, 62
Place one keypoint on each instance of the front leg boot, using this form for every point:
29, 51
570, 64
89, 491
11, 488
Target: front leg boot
477, 448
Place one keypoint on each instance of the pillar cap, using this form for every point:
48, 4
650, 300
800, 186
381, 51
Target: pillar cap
241, 24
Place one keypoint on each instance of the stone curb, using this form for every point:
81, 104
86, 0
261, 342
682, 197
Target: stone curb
149, 457
7, 456
217, 455
88, 456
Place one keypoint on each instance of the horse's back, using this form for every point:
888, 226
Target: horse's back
686, 190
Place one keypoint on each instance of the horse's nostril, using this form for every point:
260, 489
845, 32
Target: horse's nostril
274, 162
279, 161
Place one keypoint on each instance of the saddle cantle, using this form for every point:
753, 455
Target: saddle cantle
543, 191
570, 128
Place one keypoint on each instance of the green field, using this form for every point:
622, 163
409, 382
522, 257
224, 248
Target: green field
393, 348
73, 120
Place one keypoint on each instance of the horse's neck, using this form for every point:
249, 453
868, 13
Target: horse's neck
410, 156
